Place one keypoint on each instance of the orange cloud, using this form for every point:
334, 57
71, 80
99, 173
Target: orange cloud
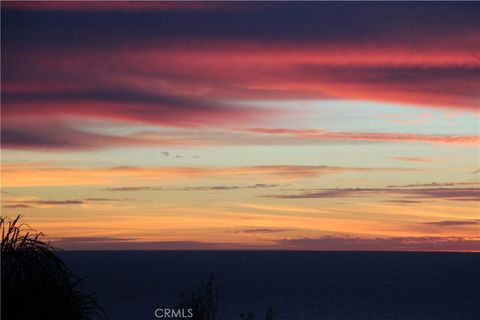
20, 175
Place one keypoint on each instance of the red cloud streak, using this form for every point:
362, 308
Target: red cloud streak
176, 70
369, 136
179, 85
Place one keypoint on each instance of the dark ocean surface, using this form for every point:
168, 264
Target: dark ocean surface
130, 285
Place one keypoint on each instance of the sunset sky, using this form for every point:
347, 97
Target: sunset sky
247, 125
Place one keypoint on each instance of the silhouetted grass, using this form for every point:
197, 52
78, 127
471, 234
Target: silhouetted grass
36, 284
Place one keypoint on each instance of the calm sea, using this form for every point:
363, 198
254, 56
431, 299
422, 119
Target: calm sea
130, 285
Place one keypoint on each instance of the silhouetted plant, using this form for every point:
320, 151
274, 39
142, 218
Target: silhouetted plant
250, 316
269, 315
36, 284
203, 302
247, 316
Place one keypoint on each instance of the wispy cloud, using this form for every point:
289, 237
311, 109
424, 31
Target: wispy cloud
105, 199
457, 194
313, 134
140, 188
63, 136
403, 201
48, 135
453, 223
125, 243
37, 202
91, 239
437, 184
412, 159
17, 206
193, 188
383, 244
262, 230
329, 243
54, 202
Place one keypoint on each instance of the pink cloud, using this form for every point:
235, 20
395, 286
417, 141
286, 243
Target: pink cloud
50, 134
166, 69
412, 159
313, 134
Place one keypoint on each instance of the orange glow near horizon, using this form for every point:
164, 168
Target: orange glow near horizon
175, 133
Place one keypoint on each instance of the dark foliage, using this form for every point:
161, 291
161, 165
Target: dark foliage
247, 316
269, 315
251, 316
36, 284
203, 302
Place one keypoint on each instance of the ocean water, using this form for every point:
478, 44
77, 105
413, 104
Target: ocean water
130, 285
